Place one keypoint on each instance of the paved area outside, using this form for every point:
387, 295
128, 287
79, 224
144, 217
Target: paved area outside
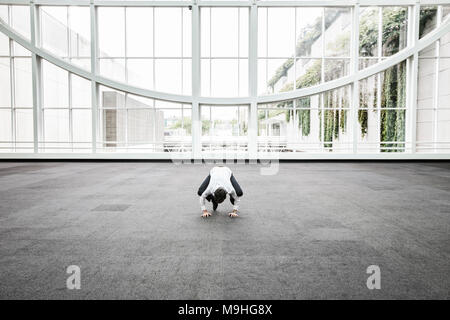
308, 232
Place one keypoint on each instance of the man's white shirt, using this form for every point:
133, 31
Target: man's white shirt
220, 178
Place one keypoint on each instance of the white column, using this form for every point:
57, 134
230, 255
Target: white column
436, 83
414, 25
253, 81
196, 121
94, 86
36, 76
354, 54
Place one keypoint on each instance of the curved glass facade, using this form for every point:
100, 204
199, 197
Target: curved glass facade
213, 78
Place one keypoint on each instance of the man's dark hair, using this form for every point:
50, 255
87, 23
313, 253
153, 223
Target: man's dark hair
220, 195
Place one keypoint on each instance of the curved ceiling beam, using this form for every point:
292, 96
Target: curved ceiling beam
295, 94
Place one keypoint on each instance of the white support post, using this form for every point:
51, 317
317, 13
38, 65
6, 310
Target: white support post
354, 54
12, 87
253, 81
436, 83
94, 86
378, 76
196, 121
414, 24
322, 80
408, 125
36, 76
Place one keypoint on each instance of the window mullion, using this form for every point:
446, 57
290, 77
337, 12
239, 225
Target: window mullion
252, 131
36, 76
354, 69
94, 70
413, 23
196, 78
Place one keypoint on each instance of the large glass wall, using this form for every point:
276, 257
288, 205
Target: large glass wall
237, 77
16, 102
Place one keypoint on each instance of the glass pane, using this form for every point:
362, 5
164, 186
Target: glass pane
393, 87
81, 126
428, 15
80, 32
113, 69
187, 32
368, 93
167, 105
133, 101
139, 32
444, 88
368, 31
445, 11
275, 74
443, 129
336, 68
4, 45
426, 81
81, 92
111, 99
24, 125
392, 130
22, 83
114, 127
84, 63
5, 127
187, 76
19, 51
56, 126
224, 32
140, 72
227, 77
309, 32
4, 13
394, 29
54, 30
141, 125
168, 75
281, 32
56, 86
337, 32
224, 121
111, 32
262, 32
5, 87
309, 72
21, 20
425, 130
168, 32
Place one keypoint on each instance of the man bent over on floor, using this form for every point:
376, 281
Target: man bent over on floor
215, 188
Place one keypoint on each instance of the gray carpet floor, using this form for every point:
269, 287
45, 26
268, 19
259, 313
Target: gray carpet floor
308, 232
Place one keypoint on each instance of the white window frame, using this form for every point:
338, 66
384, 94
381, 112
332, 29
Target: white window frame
410, 53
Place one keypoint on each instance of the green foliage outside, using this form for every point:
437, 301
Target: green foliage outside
186, 124
393, 91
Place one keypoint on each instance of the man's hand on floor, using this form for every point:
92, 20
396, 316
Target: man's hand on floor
206, 214
233, 214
